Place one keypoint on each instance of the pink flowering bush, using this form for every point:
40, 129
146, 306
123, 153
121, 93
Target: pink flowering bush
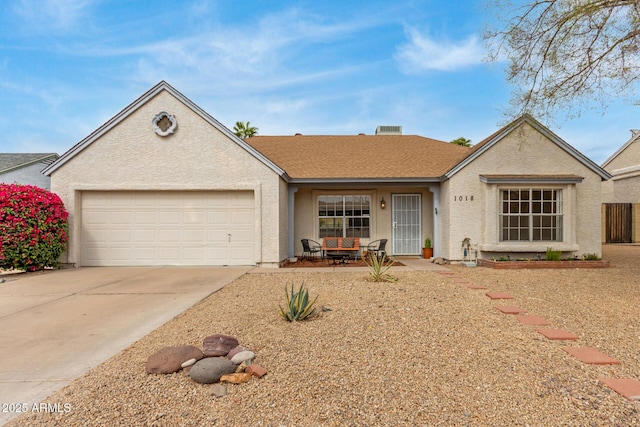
33, 227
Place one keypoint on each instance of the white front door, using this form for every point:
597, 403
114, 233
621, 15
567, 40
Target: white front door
406, 214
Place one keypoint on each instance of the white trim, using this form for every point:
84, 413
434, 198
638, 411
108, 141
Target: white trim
158, 117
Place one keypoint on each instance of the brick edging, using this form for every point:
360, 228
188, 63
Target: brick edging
517, 265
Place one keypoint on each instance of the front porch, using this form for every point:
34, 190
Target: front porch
404, 215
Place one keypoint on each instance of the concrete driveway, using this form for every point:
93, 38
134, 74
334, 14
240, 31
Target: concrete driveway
57, 325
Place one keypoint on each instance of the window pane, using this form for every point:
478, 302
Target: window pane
531, 214
346, 216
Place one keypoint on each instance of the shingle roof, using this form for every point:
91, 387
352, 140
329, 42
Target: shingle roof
12, 161
359, 156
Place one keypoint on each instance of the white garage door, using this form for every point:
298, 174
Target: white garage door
131, 228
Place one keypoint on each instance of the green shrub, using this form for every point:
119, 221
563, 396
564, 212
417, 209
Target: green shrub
591, 257
378, 267
298, 305
33, 227
553, 255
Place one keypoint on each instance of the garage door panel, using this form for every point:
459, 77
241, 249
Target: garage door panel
194, 217
170, 236
119, 236
94, 217
120, 217
145, 254
194, 236
144, 217
167, 228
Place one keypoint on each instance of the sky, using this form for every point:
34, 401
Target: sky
311, 67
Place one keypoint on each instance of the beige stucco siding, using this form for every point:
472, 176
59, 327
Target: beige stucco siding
622, 189
630, 156
131, 156
474, 205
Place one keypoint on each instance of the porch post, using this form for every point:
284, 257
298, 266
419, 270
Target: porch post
291, 250
437, 229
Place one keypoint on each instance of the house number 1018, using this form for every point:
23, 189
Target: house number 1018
463, 198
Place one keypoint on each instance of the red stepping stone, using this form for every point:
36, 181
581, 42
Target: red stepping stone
499, 295
475, 287
509, 309
557, 334
627, 387
532, 320
591, 356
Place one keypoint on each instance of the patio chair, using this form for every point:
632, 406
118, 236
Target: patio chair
310, 249
377, 247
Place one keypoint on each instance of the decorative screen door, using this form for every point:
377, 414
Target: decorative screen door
406, 214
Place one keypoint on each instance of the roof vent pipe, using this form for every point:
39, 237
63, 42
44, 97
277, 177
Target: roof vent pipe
389, 130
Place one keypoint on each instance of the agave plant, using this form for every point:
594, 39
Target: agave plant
378, 268
298, 305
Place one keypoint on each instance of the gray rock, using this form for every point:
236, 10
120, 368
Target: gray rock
244, 356
218, 390
218, 345
170, 359
210, 369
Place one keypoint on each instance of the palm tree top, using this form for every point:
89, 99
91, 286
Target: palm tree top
245, 130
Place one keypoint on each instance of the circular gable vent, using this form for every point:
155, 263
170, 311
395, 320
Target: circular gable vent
164, 123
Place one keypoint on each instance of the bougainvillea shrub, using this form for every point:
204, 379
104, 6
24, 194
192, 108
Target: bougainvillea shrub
33, 227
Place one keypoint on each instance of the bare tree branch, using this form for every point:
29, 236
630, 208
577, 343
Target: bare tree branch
566, 54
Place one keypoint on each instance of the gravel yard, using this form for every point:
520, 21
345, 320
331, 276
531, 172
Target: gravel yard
423, 351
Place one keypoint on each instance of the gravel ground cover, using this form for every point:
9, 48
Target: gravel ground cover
423, 351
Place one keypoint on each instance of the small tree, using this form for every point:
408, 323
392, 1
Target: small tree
462, 141
245, 130
33, 227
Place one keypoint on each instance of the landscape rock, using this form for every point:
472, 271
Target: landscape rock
256, 371
241, 367
170, 359
189, 363
210, 369
218, 345
218, 390
236, 378
235, 351
244, 356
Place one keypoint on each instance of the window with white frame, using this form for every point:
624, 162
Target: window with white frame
344, 215
531, 214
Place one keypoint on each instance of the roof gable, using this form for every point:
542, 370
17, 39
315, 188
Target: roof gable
13, 161
354, 157
635, 137
135, 105
501, 134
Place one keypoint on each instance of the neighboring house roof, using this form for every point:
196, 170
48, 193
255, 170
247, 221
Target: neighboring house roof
635, 136
150, 94
353, 157
13, 161
497, 136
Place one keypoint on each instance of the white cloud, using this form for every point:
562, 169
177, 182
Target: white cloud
422, 53
59, 15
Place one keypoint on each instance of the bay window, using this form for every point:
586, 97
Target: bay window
531, 214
